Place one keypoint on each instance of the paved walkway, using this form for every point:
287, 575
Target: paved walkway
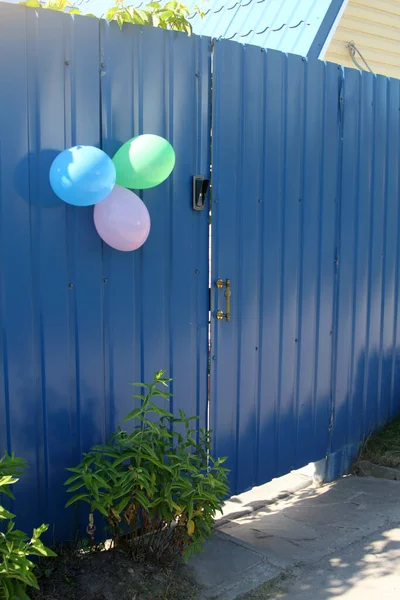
367, 570
342, 540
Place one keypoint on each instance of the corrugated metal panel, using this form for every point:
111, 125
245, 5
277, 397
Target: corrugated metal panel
373, 25
286, 25
160, 295
52, 395
306, 226
79, 320
367, 344
274, 191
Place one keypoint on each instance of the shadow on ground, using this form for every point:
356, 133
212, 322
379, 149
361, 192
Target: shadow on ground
341, 540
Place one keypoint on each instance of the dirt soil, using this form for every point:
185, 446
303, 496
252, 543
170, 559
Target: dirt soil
112, 576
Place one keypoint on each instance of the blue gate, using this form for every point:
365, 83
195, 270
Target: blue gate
306, 228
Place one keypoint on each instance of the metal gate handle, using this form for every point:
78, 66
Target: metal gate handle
220, 283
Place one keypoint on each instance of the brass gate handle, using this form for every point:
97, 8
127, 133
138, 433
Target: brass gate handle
220, 283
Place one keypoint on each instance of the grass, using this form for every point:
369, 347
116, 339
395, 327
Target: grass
383, 447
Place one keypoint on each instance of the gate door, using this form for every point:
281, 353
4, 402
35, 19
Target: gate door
275, 139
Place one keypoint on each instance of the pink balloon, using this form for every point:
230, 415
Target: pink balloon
122, 220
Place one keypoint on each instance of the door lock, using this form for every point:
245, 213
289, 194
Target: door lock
200, 189
220, 283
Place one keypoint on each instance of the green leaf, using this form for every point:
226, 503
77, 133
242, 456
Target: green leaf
140, 397
39, 531
168, 13
120, 20
134, 414
154, 427
32, 4
165, 395
122, 504
72, 479
159, 411
100, 480
190, 509
125, 456
75, 487
4, 514
98, 506
40, 549
74, 470
77, 498
8, 493
142, 385
159, 375
190, 527
142, 499
8, 480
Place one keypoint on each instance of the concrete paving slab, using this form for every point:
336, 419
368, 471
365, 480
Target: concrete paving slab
368, 569
342, 529
230, 567
314, 523
263, 495
365, 468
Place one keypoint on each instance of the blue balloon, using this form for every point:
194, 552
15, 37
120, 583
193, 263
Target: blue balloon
82, 175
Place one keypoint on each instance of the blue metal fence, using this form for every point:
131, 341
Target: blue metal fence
80, 321
305, 220
366, 389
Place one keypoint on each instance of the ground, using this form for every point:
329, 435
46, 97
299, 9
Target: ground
368, 569
296, 542
273, 589
113, 575
339, 540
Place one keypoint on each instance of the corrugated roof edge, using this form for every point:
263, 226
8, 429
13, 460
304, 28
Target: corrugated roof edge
325, 28
237, 4
284, 26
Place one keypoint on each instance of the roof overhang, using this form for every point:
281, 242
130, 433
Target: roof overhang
327, 29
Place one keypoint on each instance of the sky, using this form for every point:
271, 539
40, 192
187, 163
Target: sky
97, 7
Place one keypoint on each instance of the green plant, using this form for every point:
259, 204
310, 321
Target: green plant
158, 485
59, 5
172, 15
16, 569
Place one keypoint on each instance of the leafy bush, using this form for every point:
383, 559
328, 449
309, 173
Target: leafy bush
158, 486
16, 570
172, 15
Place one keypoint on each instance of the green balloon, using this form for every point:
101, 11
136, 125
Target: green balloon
144, 162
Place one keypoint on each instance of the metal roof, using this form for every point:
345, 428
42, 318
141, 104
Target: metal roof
286, 25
